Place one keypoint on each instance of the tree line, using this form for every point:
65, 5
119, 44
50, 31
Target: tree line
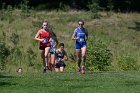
121, 5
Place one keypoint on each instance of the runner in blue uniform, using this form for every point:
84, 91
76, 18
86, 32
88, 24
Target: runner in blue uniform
61, 56
80, 35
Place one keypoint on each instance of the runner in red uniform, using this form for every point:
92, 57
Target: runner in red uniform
43, 35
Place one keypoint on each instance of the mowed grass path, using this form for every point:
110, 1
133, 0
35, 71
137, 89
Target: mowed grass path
91, 82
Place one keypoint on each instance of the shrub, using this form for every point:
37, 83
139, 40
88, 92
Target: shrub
16, 55
110, 7
7, 14
63, 7
94, 9
98, 55
24, 9
4, 53
14, 39
71, 66
127, 62
31, 56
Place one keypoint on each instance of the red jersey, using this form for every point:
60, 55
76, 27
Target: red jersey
45, 35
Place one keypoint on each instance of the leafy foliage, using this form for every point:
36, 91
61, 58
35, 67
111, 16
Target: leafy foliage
16, 55
4, 53
127, 62
31, 56
98, 55
110, 7
14, 38
126, 5
6, 14
24, 9
94, 9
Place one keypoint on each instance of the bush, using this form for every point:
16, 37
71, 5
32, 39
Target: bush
4, 53
98, 55
14, 39
127, 62
31, 57
110, 7
7, 14
24, 9
63, 7
71, 66
94, 9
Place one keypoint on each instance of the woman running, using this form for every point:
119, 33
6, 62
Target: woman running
53, 42
61, 56
43, 36
80, 35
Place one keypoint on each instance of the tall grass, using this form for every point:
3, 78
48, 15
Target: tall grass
119, 31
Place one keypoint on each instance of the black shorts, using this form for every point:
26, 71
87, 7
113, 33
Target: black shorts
42, 47
58, 65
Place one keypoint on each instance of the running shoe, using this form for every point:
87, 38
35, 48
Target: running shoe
83, 70
47, 68
79, 69
44, 70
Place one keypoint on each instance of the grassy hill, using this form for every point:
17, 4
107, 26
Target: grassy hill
120, 32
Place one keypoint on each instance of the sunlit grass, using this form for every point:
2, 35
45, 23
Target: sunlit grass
91, 82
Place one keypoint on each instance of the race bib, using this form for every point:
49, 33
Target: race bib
44, 41
59, 60
81, 39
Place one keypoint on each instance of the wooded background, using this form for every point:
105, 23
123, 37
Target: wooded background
118, 5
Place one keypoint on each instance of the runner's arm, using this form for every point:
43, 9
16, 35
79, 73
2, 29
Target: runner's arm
37, 36
86, 35
65, 56
74, 35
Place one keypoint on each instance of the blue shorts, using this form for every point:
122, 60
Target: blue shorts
58, 65
80, 45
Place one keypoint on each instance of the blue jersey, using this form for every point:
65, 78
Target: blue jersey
60, 55
52, 48
52, 42
81, 34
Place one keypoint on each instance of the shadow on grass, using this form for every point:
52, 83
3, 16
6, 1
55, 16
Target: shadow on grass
4, 76
75, 80
132, 83
137, 26
7, 84
4, 83
81, 86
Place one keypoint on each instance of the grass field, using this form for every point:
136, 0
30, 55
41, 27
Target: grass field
91, 82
